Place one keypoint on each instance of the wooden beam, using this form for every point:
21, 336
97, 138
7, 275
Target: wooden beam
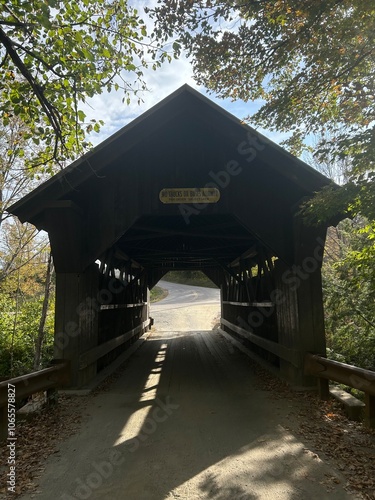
89, 357
291, 355
248, 254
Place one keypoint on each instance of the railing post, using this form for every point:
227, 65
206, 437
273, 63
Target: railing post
52, 396
323, 388
370, 411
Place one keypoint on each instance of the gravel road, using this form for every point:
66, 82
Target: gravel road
186, 308
186, 420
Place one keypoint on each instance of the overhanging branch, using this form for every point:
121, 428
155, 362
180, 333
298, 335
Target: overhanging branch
50, 111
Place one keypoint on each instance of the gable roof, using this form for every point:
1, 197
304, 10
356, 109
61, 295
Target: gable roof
179, 102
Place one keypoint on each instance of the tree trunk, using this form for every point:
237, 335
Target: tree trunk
1, 203
41, 330
15, 322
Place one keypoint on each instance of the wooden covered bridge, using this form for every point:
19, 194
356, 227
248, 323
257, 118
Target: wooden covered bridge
184, 186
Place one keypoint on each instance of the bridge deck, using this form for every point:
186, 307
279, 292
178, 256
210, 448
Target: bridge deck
186, 420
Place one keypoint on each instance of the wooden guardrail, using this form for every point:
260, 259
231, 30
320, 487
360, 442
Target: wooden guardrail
352, 376
97, 352
279, 350
18, 388
323, 368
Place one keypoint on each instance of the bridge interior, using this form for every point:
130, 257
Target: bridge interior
184, 186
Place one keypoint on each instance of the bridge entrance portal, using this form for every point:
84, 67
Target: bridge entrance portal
186, 186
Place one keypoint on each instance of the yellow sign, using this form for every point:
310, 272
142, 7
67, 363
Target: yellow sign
189, 195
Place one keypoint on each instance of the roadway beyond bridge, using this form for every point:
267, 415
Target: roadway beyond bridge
186, 420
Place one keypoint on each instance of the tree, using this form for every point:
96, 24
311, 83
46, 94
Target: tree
25, 284
312, 65
348, 283
54, 55
20, 246
349, 296
334, 168
26, 321
15, 178
40, 338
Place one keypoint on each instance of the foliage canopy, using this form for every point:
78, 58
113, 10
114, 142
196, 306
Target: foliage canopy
349, 296
312, 65
54, 55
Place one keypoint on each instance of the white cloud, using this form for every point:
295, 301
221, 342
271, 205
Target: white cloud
162, 82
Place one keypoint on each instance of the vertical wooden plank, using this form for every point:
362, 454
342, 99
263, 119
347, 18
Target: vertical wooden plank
287, 318
66, 230
310, 314
52, 397
370, 411
305, 280
90, 293
323, 389
221, 301
67, 321
300, 315
76, 320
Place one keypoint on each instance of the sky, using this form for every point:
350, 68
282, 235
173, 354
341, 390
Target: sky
161, 83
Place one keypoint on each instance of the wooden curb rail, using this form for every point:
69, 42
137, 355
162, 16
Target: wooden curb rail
48, 379
352, 376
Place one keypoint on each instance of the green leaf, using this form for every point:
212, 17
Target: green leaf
81, 115
72, 51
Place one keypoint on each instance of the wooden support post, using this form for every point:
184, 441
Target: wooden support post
76, 320
300, 304
221, 300
300, 318
370, 411
52, 397
323, 388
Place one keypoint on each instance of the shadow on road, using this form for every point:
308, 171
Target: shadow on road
186, 421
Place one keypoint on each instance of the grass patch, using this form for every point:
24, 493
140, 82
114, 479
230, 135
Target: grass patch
193, 278
158, 293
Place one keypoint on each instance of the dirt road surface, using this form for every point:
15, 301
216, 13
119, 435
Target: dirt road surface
186, 420
186, 308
